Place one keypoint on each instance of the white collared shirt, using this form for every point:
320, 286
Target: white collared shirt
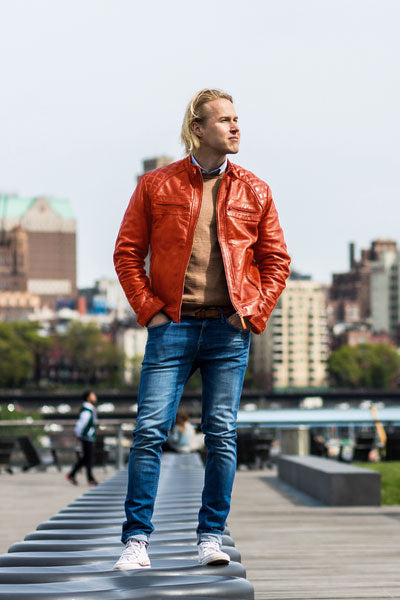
216, 171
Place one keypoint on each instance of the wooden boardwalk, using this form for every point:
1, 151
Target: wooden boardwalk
294, 548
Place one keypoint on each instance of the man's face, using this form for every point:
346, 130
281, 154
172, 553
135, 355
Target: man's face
219, 131
92, 398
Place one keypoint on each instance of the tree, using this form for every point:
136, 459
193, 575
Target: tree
91, 355
383, 366
369, 366
37, 344
21, 349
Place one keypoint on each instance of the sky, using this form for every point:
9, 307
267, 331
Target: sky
88, 88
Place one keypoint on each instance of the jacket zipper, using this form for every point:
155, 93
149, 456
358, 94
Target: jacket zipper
243, 209
180, 204
224, 259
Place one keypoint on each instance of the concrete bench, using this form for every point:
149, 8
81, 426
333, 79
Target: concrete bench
333, 483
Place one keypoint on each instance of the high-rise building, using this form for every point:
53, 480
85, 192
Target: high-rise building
385, 293
15, 301
13, 260
369, 292
106, 296
293, 350
350, 292
38, 239
149, 164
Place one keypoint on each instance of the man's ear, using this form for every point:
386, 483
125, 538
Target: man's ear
197, 129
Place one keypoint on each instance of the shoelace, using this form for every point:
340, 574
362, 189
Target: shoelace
133, 548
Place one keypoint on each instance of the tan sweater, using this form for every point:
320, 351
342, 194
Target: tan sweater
205, 282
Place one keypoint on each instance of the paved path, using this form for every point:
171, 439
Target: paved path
293, 550
27, 499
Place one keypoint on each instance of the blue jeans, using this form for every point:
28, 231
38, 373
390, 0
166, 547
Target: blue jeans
173, 352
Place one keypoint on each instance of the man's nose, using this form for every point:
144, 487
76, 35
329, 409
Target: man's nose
234, 127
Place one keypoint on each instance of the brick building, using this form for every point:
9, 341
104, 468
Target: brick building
350, 292
367, 297
13, 260
38, 248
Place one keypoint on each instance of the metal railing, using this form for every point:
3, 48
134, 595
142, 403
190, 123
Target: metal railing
118, 428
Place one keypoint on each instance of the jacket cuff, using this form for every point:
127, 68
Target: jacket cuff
150, 308
258, 323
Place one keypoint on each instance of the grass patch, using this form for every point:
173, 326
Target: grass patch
390, 480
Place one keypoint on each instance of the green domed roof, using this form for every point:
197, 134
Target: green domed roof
15, 207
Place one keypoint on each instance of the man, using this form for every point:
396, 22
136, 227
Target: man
85, 430
218, 264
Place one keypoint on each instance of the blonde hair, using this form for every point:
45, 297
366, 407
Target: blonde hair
194, 113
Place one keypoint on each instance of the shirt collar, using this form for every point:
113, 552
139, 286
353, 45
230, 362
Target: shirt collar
218, 171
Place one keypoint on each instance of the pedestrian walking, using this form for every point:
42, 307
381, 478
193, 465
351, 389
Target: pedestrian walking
85, 431
218, 264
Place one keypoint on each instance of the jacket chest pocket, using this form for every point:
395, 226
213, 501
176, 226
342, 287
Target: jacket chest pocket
244, 212
168, 205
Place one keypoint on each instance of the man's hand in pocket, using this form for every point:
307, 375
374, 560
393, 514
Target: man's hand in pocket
158, 319
236, 322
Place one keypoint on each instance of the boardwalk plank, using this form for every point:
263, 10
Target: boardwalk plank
296, 549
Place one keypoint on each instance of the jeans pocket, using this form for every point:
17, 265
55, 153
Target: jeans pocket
241, 330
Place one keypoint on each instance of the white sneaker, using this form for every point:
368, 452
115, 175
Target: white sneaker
134, 556
210, 553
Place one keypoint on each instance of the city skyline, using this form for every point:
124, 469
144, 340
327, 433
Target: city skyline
89, 90
354, 252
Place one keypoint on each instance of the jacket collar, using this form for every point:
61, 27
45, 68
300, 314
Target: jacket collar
88, 405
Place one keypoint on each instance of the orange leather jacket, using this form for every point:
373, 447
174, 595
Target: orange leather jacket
162, 216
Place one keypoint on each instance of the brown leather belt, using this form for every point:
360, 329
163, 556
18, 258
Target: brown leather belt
209, 313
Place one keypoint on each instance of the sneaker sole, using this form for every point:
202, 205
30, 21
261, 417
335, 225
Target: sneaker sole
130, 567
218, 560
